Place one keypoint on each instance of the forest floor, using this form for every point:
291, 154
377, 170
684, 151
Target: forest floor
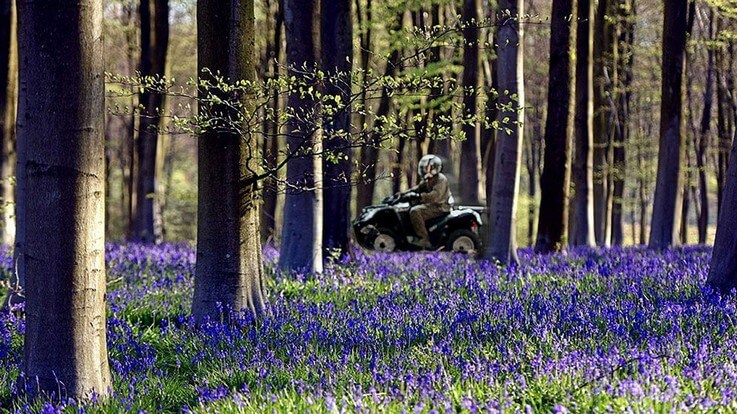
593, 330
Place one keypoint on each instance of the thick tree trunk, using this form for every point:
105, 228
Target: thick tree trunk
336, 33
61, 60
229, 270
583, 166
723, 269
271, 131
555, 180
502, 200
471, 146
154, 15
301, 248
8, 105
669, 183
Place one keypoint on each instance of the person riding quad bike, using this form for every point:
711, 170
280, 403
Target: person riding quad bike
434, 195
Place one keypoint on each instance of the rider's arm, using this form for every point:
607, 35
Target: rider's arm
436, 195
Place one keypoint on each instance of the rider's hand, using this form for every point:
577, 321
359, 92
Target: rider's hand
411, 196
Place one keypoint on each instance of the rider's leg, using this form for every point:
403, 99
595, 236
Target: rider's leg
418, 215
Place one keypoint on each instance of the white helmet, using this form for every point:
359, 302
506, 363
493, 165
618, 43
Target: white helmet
430, 165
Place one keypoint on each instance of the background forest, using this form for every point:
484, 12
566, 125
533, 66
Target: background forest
625, 160
179, 179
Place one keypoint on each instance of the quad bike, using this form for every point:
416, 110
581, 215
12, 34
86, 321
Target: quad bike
387, 227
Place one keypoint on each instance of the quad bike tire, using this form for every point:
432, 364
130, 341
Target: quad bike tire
385, 241
463, 241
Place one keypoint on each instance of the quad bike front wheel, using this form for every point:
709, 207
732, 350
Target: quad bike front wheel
385, 241
463, 241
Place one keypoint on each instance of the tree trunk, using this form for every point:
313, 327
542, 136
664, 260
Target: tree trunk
8, 106
471, 146
271, 132
723, 269
154, 15
130, 174
336, 33
370, 149
703, 142
302, 232
624, 61
669, 182
502, 200
726, 115
583, 166
555, 180
602, 55
229, 271
61, 60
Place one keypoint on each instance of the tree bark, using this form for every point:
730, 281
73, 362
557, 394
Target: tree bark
602, 53
61, 60
583, 166
502, 200
725, 115
555, 180
471, 146
623, 92
723, 269
370, 149
669, 183
337, 61
703, 142
154, 15
271, 138
229, 271
302, 232
8, 106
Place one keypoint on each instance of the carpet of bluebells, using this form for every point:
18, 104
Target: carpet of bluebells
593, 330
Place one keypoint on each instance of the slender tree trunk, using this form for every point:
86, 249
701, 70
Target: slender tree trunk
669, 182
337, 61
471, 146
723, 269
555, 180
602, 54
154, 15
302, 231
726, 115
502, 200
686, 204
61, 60
703, 142
8, 106
583, 166
370, 149
642, 194
229, 271
624, 61
129, 173
271, 144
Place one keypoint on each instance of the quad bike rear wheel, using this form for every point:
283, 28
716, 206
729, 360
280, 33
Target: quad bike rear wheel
463, 241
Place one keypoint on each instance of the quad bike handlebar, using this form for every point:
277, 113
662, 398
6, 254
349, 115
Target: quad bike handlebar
401, 197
